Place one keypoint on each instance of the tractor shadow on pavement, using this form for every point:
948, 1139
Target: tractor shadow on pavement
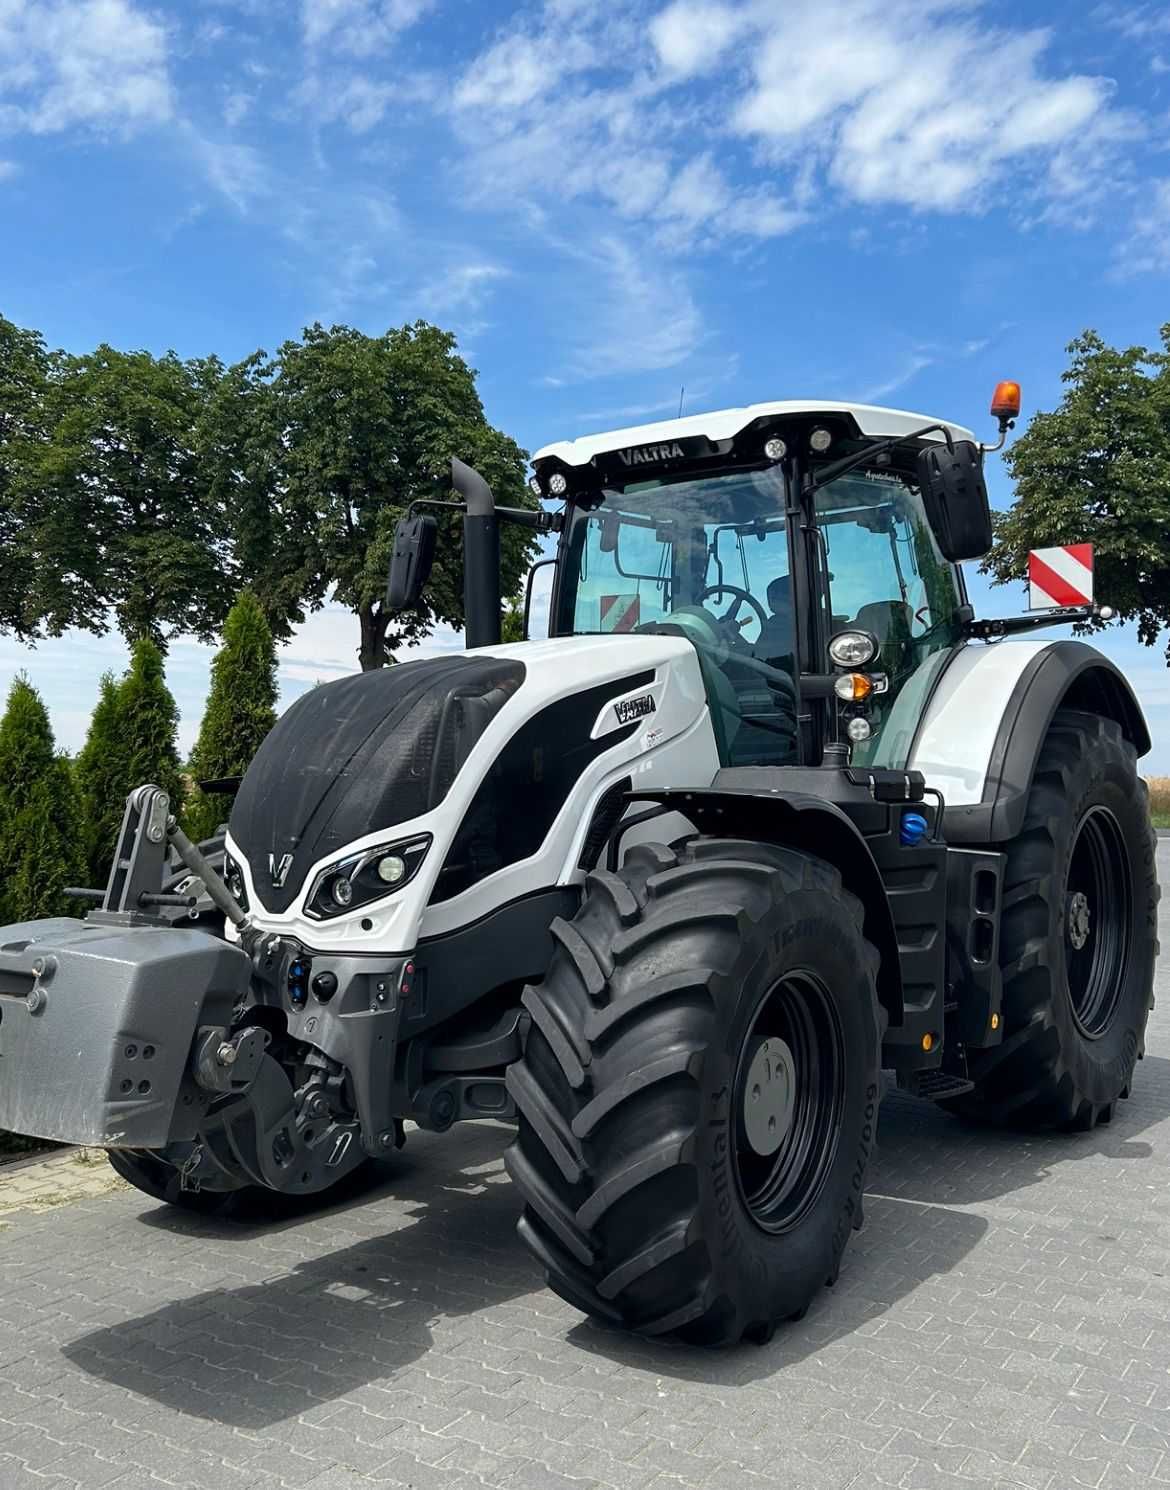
310, 1321
927, 1165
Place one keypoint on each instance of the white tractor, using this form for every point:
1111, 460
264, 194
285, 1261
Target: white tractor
769, 812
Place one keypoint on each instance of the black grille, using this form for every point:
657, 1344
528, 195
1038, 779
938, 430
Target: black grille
605, 819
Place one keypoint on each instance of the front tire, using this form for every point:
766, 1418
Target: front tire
699, 1090
1078, 939
147, 1172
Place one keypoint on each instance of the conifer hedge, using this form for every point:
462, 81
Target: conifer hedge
40, 821
241, 709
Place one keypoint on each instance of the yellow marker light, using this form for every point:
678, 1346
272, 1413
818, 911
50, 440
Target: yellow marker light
928, 1042
995, 1021
853, 687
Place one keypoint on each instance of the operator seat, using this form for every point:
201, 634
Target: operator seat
775, 643
888, 620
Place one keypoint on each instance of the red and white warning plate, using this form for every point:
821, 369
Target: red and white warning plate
1060, 576
620, 612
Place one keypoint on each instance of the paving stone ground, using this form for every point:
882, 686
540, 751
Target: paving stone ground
1003, 1320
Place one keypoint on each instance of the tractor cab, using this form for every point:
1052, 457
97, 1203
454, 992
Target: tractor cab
793, 546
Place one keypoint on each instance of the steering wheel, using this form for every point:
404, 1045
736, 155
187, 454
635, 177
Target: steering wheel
729, 616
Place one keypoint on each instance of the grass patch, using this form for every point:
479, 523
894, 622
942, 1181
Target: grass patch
1159, 800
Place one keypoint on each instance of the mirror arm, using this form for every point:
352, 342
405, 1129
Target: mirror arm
430, 502
851, 462
544, 522
524, 517
993, 628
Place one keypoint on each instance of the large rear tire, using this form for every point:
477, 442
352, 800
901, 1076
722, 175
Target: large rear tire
1078, 939
699, 1089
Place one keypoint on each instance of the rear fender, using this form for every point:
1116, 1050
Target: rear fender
816, 827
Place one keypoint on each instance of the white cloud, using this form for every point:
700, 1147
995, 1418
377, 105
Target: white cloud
908, 371
460, 289
236, 171
236, 107
356, 101
359, 27
95, 63
633, 313
8, 169
691, 37
1135, 22
521, 68
920, 106
1147, 250
919, 103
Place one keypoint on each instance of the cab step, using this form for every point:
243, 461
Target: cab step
935, 1086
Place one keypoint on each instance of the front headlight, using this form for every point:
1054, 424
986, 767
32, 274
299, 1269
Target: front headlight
365, 876
853, 648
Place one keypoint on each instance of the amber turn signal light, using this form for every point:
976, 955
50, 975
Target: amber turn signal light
853, 687
1005, 402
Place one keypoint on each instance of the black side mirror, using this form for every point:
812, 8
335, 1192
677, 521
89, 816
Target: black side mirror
954, 494
410, 563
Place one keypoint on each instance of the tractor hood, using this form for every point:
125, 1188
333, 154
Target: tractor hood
499, 757
360, 755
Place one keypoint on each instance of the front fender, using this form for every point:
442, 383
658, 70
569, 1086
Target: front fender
817, 827
982, 733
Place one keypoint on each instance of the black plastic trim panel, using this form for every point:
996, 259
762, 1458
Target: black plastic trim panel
523, 792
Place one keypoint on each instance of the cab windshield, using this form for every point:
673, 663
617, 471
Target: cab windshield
709, 558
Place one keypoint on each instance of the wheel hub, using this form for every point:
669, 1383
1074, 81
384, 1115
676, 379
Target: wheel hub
1078, 919
769, 1094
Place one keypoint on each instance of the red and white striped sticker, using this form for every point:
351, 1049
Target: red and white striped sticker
620, 612
1060, 576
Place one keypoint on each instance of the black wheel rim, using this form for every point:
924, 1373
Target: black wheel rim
796, 1032
1097, 917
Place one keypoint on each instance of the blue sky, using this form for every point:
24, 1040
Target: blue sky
886, 200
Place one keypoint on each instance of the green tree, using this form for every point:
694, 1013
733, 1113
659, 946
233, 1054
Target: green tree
241, 709
149, 719
1097, 470
100, 774
114, 507
40, 839
25, 367
240, 446
512, 621
131, 741
362, 426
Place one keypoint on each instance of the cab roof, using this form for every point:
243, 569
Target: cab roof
725, 424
